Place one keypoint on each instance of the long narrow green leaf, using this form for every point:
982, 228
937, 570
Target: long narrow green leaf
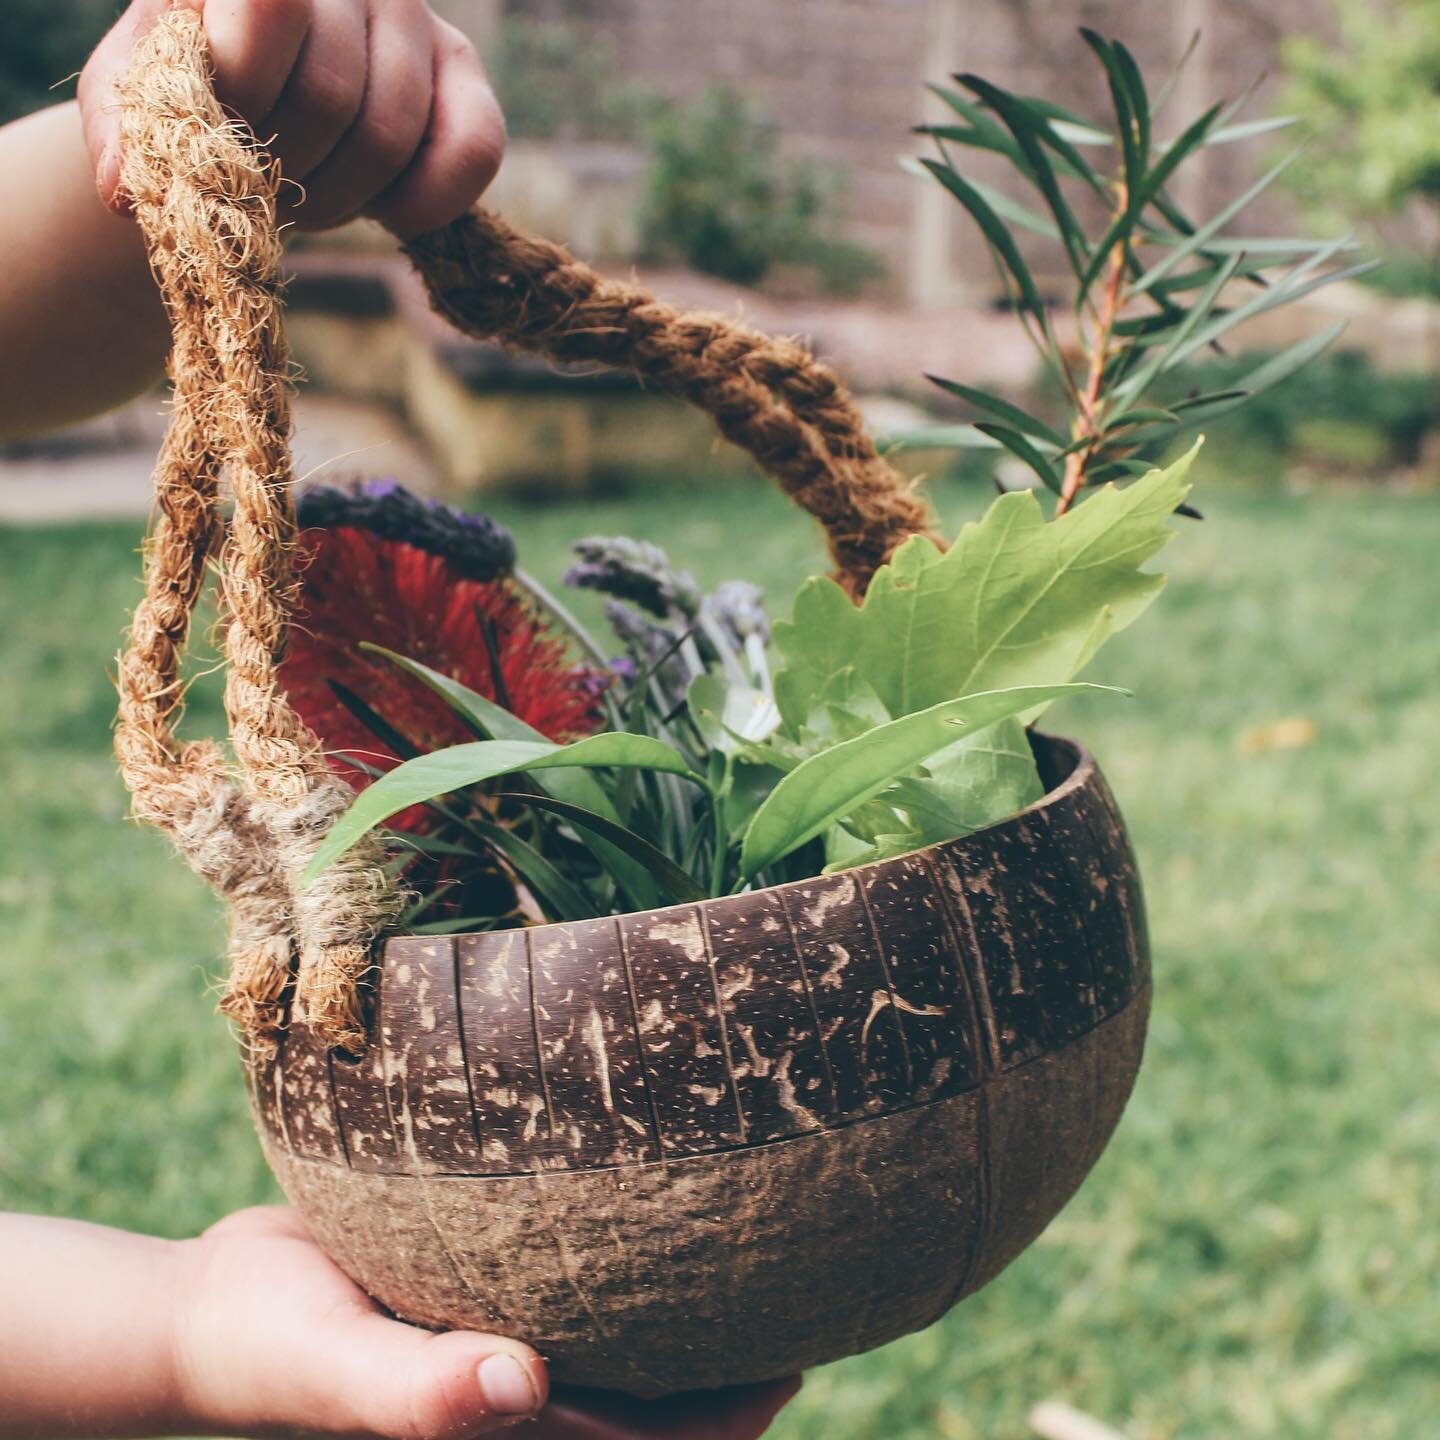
938, 437
1003, 410
461, 766
1293, 286
826, 787
1291, 359
373, 721
1124, 112
561, 896
1177, 348
1200, 237
1147, 189
1228, 134
1135, 90
1018, 214
490, 721
1022, 449
677, 886
1025, 126
994, 231
467, 925
1202, 402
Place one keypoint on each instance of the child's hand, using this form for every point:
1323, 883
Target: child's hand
376, 107
271, 1338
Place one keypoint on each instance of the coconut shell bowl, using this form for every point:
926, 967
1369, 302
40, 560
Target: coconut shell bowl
698, 1146
730, 1141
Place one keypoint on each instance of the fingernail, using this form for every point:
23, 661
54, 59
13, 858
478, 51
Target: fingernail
507, 1386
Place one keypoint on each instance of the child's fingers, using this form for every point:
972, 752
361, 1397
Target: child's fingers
462, 148
382, 142
324, 92
254, 46
99, 99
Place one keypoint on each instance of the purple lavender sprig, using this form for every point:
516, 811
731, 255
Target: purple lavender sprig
637, 572
475, 546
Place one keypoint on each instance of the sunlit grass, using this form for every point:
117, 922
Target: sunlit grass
1255, 1255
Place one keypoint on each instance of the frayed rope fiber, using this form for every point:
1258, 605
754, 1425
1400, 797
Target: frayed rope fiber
204, 194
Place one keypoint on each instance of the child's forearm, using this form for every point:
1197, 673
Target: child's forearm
85, 1342
81, 324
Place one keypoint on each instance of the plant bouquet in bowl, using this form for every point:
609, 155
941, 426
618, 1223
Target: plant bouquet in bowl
700, 999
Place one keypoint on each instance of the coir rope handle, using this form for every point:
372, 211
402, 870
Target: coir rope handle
204, 195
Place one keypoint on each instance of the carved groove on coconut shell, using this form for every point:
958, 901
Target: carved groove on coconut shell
738, 1022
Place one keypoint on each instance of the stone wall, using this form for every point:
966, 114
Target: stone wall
844, 81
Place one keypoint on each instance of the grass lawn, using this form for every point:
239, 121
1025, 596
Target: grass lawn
1257, 1254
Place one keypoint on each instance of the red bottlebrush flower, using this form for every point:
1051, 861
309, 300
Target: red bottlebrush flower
358, 586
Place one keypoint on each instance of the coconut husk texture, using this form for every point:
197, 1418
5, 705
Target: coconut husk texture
724, 1142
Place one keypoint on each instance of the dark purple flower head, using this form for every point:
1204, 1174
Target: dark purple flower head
475, 546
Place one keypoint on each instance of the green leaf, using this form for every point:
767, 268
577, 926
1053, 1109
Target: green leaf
1017, 600
1124, 109
1291, 359
562, 898
828, 786
939, 437
674, 884
1025, 125
1141, 415
1247, 130
1135, 92
1146, 188
1199, 238
467, 925
977, 781
1179, 344
1018, 214
994, 231
1022, 449
461, 766
1012, 415
494, 722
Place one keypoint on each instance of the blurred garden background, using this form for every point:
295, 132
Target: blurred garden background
1256, 1254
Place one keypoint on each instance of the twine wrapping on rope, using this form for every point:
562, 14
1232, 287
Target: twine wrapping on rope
204, 194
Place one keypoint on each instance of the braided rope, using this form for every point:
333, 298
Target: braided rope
204, 196
769, 396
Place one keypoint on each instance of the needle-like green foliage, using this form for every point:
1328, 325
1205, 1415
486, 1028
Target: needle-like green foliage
1150, 286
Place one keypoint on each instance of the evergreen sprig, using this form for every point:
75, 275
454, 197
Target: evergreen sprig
1152, 287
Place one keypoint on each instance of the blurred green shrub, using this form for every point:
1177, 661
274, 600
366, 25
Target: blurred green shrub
43, 43
557, 80
726, 202
1372, 105
1340, 413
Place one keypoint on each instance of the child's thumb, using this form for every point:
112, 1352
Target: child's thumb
392, 1380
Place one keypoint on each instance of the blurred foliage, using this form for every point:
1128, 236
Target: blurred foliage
556, 80
1341, 414
1405, 275
1154, 289
45, 42
726, 202
1372, 104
